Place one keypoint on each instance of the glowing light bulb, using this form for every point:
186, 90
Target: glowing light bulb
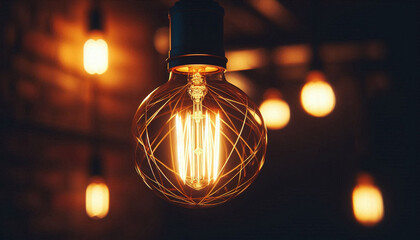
203, 138
97, 199
317, 97
200, 140
95, 56
276, 111
368, 207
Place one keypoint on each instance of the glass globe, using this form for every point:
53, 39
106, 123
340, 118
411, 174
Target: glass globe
200, 140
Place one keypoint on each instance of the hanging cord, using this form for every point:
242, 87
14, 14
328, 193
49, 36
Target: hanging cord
96, 166
315, 37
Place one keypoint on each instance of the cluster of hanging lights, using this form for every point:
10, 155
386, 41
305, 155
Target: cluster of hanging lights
316, 97
200, 140
95, 63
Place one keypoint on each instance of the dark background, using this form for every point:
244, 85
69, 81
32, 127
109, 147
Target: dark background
369, 54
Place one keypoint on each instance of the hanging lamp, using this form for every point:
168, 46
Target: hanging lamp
200, 140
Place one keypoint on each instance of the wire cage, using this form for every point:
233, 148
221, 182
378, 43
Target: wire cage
198, 165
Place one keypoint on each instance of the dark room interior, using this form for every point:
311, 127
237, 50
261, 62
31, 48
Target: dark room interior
67, 120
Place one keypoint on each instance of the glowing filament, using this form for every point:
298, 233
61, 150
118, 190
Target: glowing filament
95, 56
198, 145
97, 200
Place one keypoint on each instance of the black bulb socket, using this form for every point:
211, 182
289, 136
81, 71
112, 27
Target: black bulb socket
196, 34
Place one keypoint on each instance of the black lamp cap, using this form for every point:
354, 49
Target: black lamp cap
95, 19
196, 34
96, 165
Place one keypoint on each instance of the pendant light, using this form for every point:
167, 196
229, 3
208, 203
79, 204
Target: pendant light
95, 50
200, 140
97, 192
95, 61
275, 110
368, 204
317, 96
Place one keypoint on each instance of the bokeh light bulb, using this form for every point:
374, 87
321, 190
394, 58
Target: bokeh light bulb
275, 110
368, 206
95, 55
317, 96
161, 40
97, 198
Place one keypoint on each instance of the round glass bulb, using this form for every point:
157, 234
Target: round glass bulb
317, 96
200, 140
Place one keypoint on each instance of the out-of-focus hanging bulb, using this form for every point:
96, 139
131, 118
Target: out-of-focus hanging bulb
95, 56
161, 40
95, 50
275, 110
368, 206
317, 96
200, 140
97, 198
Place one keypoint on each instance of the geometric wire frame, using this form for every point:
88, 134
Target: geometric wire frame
243, 138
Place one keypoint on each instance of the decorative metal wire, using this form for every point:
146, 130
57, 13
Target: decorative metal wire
243, 137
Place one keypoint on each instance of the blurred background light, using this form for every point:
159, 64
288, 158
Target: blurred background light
275, 110
95, 56
97, 198
275, 11
161, 40
368, 206
317, 96
292, 55
240, 60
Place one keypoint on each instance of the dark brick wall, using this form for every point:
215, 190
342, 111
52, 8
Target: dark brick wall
47, 121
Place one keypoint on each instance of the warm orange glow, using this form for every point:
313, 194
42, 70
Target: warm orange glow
161, 40
275, 111
340, 52
274, 11
368, 206
317, 96
203, 68
95, 56
97, 199
245, 59
292, 55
